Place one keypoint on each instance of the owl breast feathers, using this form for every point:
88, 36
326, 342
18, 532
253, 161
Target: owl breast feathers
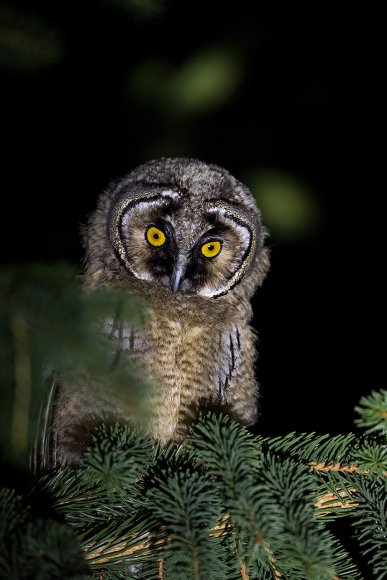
187, 237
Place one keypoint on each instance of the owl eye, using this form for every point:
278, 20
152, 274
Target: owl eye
211, 249
154, 236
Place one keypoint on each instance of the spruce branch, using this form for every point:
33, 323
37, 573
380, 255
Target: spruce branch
314, 449
37, 547
270, 503
225, 504
185, 506
370, 522
116, 456
373, 412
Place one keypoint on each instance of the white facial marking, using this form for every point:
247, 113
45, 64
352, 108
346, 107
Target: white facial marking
169, 193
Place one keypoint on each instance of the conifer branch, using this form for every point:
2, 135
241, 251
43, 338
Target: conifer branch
244, 573
23, 384
339, 467
223, 505
330, 500
161, 569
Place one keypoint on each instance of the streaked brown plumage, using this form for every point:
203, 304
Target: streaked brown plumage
187, 237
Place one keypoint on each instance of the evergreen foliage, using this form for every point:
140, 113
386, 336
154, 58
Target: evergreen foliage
50, 325
224, 505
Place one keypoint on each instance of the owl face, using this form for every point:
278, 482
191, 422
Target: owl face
186, 226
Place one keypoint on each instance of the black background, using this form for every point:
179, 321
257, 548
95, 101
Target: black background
310, 103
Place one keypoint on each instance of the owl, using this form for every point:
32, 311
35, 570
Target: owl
187, 237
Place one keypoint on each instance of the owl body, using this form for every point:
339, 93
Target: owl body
187, 238
192, 355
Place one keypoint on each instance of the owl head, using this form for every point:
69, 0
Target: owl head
179, 224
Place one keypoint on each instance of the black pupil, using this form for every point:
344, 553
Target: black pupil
156, 236
211, 248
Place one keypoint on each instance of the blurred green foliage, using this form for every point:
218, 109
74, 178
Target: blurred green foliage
27, 41
201, 83
176, 91
51, 326
139, 8
289, 208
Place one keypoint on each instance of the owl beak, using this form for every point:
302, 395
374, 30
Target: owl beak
177, 276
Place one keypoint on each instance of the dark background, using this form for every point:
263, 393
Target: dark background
292, 104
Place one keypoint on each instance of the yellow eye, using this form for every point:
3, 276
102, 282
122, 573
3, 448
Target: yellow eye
155, 237
211, 249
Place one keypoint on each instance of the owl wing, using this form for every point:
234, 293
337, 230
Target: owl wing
45, 452
237, 387
68, 409
42, 456
229, 347
123, 338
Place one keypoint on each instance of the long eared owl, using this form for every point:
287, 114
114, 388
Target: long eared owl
187, 237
